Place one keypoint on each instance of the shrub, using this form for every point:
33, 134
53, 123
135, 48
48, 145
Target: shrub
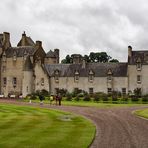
68, 97
134, 98
145, 98
114, 96
44, 92
87, 98
96, 97
77, 98
124, 98
137, 92
62, 92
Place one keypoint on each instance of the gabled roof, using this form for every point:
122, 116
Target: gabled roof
99, 69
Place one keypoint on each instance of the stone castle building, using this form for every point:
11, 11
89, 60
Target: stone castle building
27, 68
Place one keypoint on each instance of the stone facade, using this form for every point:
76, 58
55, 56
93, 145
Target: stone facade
27, 68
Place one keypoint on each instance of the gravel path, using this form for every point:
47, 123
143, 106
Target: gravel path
116, 127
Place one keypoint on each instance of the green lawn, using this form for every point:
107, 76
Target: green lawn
30, 127
92, 103
142, 113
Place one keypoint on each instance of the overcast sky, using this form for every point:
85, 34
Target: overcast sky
79, 26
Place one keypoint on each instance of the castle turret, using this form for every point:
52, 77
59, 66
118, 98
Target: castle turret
6, 40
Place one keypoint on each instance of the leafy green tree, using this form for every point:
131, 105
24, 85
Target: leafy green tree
114, 61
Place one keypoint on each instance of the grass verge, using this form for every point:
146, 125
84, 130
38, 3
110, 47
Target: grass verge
142, 113
36, 127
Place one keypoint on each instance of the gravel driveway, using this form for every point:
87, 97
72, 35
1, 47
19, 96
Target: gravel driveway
116, 127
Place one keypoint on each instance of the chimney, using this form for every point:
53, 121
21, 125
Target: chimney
76, 58
38, 44
24, 39
129, 51
84, 64
6, 40
56, 51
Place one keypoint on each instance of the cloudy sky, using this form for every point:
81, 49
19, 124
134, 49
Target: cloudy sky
79, 26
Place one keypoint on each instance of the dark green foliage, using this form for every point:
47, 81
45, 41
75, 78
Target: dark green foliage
68, 97
87, 98
137, 92
124, 98
114, 61
44, 92
96, 97
77, 98
145, 98
114, 96
62, 92
93, 57
134, 98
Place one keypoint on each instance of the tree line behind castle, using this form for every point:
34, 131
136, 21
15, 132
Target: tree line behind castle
115, 97
93, 57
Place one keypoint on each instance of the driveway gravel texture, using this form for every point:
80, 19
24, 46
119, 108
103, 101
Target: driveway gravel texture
115, 127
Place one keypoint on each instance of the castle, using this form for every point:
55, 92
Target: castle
27, 68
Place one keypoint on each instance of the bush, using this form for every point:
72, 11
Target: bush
96, 97
77, 98
145, 98
124, 98
134, 98
44, 92
137, 92
87, 98
68, 97
62, 92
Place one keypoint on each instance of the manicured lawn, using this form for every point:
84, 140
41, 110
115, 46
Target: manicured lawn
22, 127
92, 103
142, 113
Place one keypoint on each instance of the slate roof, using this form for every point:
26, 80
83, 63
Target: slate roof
19, 51
51, 54
28, 42
142, 54
99, 69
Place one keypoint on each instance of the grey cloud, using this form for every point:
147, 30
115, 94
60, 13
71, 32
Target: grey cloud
79, 26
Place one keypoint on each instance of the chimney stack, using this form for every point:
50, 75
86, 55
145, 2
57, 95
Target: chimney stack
6, 40
38, 44
129, 51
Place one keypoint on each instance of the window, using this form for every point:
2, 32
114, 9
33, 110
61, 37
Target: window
76, 78
109, 75
91, 76
124, 91
4, 69
138, 79
4, 81
42, 81
14, 81
109, 90
138, 66
56, 90
91, 90
56, 76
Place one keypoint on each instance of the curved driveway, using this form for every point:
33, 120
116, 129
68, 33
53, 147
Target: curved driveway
116, 127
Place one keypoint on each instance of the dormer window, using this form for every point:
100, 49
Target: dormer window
138, 64
109, 75
91, 76
76, 78
56, 76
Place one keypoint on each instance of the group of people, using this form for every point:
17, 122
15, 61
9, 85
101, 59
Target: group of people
57, 98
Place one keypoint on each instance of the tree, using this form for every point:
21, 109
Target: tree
68, 59
93, 57
114, 61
